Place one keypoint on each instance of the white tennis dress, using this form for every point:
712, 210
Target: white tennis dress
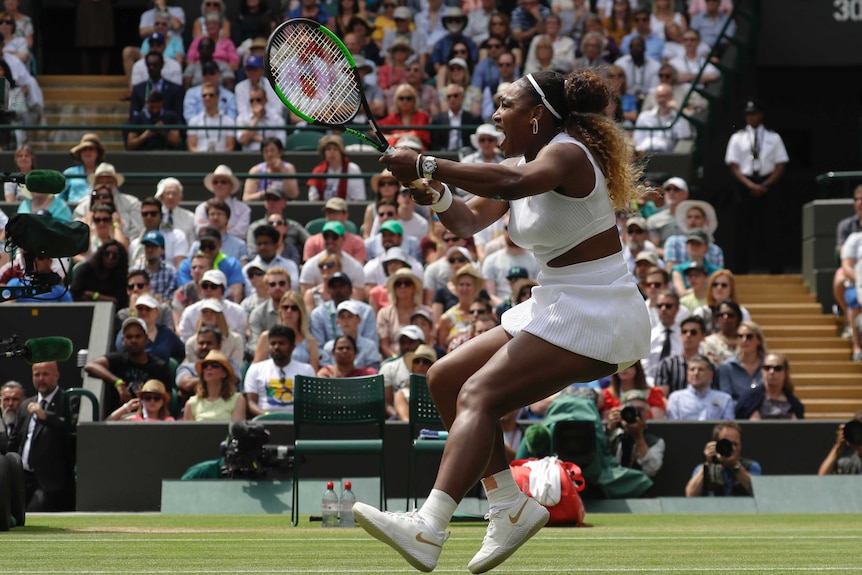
594, 308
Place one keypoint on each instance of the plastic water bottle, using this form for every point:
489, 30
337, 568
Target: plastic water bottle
329, 508
345, 506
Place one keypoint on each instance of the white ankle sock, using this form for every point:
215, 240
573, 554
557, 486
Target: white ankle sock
438, 509
501, 488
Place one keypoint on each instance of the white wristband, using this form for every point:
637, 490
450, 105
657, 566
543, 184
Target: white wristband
444, 202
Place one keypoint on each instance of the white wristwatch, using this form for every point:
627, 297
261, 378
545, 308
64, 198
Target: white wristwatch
429, 166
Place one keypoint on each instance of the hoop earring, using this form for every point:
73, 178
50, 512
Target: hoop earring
535, 123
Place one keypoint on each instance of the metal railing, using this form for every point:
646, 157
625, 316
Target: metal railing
834, 185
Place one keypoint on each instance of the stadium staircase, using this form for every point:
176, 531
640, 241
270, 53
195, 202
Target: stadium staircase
824, 377
81, 101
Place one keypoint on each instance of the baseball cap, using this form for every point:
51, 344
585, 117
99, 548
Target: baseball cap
752, 106
517, 273
634, 395
339, 276
402, 13
423, 313
337, 204
254, 62
210, 68
676, 181
275, 191
458, 62
697, 236
413, 332
334, 227
215, 277
134, 321
637, 221
349, 305
395, 254
147, 300
694, 266
154, 237
647, 256
156, 37
392, 226
209, 232
461, 250
212, 304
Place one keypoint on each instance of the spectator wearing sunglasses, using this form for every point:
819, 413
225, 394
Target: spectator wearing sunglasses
744, 371
334, 233
335, 210
151, 405
292, 234
216, 397
721, 345
643, 30
390, 235
336, 360
212, 317
278, 282
174, 242
138, 284
404, 290
254, 273
698, 401
665, 338
267, 241
269, 384
210, 244
774, 399
106, 181
672, 371
102, 276
721, 287
418, 362
162, 341
213, 284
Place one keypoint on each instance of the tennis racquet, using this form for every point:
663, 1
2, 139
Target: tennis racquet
314, 75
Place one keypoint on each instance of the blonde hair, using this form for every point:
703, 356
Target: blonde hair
296, 298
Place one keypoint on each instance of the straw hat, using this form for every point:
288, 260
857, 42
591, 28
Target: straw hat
401, 43
331, 139
88, 141
217, 356
155, 386
708, 211
402, 274
423, 350
106, 169
468, 270
224, 171
375, 179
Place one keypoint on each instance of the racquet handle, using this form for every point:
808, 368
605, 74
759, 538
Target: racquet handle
421, 185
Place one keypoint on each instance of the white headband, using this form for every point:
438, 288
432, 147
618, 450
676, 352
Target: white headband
542, 96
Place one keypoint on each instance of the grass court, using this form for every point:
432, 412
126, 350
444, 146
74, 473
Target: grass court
82, 544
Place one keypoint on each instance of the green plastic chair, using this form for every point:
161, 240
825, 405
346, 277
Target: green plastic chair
275, 416
322, 402
316, 225
423, 415
303, 141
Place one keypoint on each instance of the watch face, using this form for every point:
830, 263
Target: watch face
429, 165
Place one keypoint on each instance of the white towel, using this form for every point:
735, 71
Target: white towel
545, 480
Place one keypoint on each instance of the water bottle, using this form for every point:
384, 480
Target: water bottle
345, 506
329, 508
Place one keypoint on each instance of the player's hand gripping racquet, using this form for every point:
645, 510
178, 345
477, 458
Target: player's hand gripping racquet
315, 76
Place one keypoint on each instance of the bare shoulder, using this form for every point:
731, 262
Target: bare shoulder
567, 160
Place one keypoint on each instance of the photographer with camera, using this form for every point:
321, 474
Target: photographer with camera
848, 438
627, 437
723, 472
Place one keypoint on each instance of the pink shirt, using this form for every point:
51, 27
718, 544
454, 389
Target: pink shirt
225, 51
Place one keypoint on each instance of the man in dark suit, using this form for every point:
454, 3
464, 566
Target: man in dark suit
454, 139
11, 395
48, 479
172, 94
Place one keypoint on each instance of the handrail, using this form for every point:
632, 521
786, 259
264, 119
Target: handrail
291, 128
825, 181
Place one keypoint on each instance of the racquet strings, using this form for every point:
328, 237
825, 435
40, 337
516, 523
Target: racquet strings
313, 74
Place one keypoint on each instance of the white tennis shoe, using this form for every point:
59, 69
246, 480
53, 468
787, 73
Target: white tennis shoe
408, 533
508, 528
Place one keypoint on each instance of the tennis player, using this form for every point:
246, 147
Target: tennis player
586, 318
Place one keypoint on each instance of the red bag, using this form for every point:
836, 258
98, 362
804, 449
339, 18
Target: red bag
570, 509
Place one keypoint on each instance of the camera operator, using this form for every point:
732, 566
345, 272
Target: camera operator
848, 438
723, 472
627, 437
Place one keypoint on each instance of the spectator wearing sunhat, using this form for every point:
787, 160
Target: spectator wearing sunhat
497, 266
381, 268
663, 224
152, 405
394, 71
694, 215
333, 242
404, 28
335, 161
223, 185
454, 21
106, 179
216, 397
486, 141
254, 79
335, 210
757, 159
213, 285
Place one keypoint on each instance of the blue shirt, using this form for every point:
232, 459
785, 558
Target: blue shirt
733, 379
727, 475
367, 353
58, 294
709, 405
229, 266
654, 45
77, 189
710, 29
193, 103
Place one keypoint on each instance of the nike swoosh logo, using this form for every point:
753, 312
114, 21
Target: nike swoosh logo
421, 539
518, 515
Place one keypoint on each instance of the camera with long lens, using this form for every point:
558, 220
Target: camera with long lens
853, 432
630, 414
248, 456
723, 447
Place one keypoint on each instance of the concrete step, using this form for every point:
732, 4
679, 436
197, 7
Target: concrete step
760, 309
844, 405
839, 379
764, 296
809, 331
825, 415
826, 367
812, 354
107, 93
810, 320
785, 289
805, 392
102, 119
60, 80
796, 341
